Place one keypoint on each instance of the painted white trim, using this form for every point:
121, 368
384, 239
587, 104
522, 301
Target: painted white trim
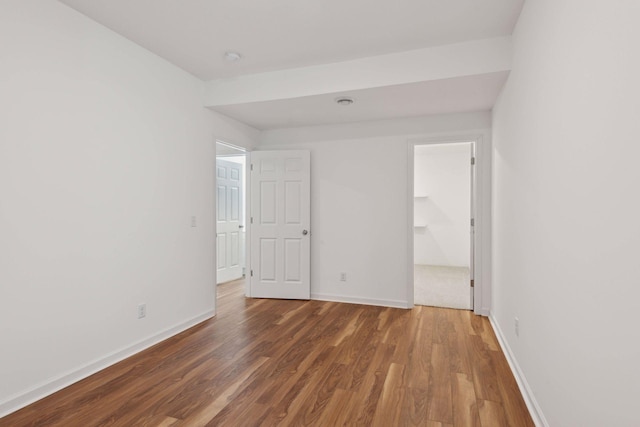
358, 300
241, 150
482, 231
523, 385
482, 312
410, 222
248, 225
40, 391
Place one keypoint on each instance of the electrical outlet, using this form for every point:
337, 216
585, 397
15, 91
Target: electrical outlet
193, 221
516, 325
142, 311
343, 277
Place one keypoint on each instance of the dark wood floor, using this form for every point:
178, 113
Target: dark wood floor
273, 362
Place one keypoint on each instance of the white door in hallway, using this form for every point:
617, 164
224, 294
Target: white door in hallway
229, 227
280, 225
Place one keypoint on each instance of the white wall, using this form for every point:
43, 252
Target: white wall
359, 201
105, 154
442, 173
566, 209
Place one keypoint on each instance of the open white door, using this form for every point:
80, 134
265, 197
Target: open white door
229, 232
280, 221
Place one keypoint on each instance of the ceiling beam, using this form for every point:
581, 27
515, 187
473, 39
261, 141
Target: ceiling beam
430, 64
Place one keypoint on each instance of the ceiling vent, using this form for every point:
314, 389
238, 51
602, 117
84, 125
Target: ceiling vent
344, 101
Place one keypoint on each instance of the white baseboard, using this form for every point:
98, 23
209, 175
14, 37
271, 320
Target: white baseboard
482, 311
523, 385
358, 300
65, 380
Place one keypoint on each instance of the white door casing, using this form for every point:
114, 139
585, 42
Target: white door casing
472, 214
280, 225
229, 227
481, 212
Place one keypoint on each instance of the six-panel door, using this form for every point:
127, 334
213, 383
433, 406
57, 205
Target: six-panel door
280, 229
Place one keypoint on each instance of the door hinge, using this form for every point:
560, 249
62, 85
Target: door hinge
472, 284
251, 220
251, 273
252, 167
473, 222
473, 161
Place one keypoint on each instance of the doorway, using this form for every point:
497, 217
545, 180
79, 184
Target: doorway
230, 213
279, 217
443, 224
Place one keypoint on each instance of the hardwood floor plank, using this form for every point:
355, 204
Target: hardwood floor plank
465, 407
439, 403
416, 375
442, 326
357, 353
208, 385
267, 362
291, 356
459, 358
294, 310
337, 408
484, 374
414, 407
315, 379
349, 329
514, 407
365, 329
388, 410
482, 328
318, 397
364, 404
406, 346
419, 360
291, 400
206, 414
492, 414
168, 422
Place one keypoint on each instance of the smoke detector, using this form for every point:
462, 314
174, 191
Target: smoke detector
232, 56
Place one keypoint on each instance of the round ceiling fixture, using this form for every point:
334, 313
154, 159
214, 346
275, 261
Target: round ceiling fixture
232, 56
344, 101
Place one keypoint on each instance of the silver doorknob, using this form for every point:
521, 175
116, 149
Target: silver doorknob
305, 232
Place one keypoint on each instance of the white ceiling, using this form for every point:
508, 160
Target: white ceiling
282, 34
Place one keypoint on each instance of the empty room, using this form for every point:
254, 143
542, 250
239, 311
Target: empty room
298, 212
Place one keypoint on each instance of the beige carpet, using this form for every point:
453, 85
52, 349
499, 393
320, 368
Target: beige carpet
440, 286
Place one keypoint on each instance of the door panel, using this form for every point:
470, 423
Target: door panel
221, 251
292, 252
280, 238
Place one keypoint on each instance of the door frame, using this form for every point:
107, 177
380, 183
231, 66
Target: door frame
247, 165
242, 228
480, 206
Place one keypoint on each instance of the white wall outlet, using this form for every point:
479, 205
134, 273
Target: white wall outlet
343, 277
516, 325
142, 311
193, 221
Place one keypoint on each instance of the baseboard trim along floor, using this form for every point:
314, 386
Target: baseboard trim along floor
532, 404
65, 380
